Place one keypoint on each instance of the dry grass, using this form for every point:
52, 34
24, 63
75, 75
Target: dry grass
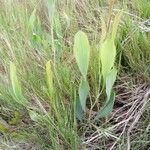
122, 126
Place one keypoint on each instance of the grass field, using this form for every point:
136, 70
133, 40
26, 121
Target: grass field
74, 74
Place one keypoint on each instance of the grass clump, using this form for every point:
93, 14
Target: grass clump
74, 74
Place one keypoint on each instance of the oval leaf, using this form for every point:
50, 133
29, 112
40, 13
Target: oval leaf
107, 56
82, 52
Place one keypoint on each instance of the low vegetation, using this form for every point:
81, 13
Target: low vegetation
74, 74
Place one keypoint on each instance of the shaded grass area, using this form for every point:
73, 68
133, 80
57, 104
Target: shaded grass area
34, 32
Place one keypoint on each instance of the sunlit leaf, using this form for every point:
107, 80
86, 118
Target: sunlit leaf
16, 85
107, 56
82, 52
49, 79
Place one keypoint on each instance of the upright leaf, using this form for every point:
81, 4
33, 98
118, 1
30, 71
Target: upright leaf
16, 85
110, 80
107, 56
107, 108
79, 110
83, 93
49, 79
82, 52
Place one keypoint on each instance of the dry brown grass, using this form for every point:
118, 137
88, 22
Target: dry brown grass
123, 124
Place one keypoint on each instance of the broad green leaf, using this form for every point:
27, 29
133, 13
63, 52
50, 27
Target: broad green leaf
107, 56
110, 80
16, 85
49, 79
82, 52
83, 93
104, 112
